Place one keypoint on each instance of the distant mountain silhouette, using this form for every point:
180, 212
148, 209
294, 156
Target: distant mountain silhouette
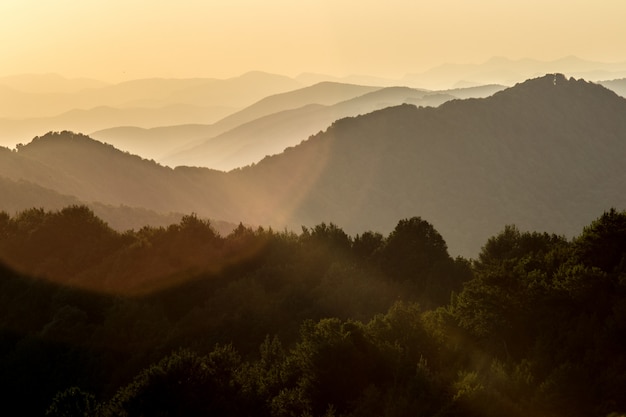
271, 124
22, 195
506, 71
159, 142
79, 103
310, 78
268, 135
22, 130
546, 154
619, 86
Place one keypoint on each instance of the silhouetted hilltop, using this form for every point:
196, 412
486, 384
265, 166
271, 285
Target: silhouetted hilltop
507, 71
326, 93
546, 154
77, 165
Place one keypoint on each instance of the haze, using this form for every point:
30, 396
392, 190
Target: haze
119, 40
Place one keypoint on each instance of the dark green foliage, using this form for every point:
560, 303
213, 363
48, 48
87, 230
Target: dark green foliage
168, 321
414, 247
555, 306
416, 255
72, 402
367, 244
184, 384
603, 243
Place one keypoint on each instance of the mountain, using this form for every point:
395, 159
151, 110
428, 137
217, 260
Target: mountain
159, 142
91, 171
506, 71
310, 78
477, 91
325, 93
21, 195
271, 124
18, 104
268, 135
546, 154
156, 142
619, 86
238, 91
16, 131
145, 102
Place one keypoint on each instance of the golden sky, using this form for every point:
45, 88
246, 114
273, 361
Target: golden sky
116, 40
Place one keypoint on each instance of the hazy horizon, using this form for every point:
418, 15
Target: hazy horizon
425, 45
118, 41
303, 74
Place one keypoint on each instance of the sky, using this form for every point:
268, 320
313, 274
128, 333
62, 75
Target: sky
117, 40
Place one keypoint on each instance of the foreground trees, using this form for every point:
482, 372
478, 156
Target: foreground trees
169, 321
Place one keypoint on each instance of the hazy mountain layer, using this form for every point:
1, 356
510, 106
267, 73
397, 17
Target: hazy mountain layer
23, 130
619, 86
160, 142
48, 102
546, 154
268, 135
507, 71
270, 125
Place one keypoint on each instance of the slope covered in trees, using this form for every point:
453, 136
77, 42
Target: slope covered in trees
545, 154
183, 321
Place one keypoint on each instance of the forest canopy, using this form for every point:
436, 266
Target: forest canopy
180, 320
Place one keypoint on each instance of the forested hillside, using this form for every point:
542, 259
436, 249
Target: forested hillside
181, 320
546, 154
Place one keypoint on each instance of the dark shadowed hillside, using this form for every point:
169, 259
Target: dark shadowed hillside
546, 154
21, 195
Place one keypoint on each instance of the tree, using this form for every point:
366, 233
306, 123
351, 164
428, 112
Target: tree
185, 384
416, 255
412, 249
73, 402
603, 243
334, 363
366, 245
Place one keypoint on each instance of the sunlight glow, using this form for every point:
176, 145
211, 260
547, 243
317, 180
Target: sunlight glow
121, 40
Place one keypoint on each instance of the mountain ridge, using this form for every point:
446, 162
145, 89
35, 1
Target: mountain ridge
232, 142
546, 154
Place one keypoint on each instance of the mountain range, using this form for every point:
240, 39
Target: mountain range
546, 154
270, 125
501, 70
31, 105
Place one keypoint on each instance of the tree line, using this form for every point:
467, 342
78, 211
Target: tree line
180, 320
